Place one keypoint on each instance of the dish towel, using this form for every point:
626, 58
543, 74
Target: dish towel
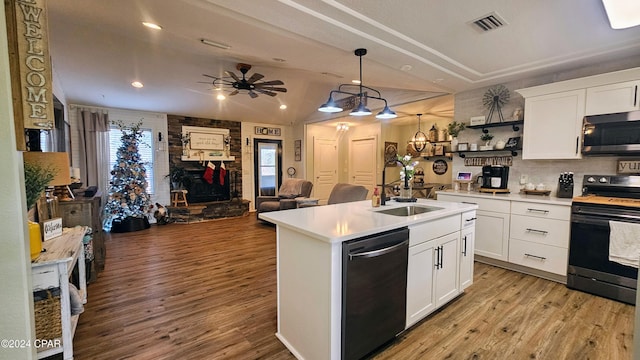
624, 243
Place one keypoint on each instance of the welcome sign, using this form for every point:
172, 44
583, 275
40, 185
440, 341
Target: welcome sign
30, 63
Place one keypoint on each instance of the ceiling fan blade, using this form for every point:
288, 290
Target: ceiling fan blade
211, 76
234, 92
272, 82
281, 89
266, 92
253, 94
230, 73
255, 77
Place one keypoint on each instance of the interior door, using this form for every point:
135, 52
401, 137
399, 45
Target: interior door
325, 167
362, 162
267, 166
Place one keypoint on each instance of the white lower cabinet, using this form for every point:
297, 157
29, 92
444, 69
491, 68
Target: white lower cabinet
433, 269
492, 235
467, 240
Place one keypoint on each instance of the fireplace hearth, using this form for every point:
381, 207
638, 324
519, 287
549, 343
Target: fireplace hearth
200, 191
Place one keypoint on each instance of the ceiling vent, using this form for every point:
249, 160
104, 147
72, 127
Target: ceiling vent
488, 22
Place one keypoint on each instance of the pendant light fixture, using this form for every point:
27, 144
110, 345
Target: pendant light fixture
361, 110
420, 138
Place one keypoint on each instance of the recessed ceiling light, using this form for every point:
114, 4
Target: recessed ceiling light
406, 67
221, 97
152, 25
137, 84
283, 106
355, 81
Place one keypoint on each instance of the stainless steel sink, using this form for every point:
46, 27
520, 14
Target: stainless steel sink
409, 210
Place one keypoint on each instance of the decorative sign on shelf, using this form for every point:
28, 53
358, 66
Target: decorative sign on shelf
488, 160
267, 131
51, 228
629, 166
206, 141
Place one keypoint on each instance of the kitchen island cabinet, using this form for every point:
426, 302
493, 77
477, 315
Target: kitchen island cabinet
309, 264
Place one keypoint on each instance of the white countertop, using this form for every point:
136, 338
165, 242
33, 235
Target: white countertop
341, 222
512, 197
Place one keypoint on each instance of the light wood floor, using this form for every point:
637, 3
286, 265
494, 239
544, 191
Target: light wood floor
208, 291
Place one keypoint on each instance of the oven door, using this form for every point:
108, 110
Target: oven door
589, 267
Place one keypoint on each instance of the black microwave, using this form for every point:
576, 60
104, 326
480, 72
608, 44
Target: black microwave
611, 134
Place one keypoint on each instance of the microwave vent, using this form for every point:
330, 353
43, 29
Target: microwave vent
491, 21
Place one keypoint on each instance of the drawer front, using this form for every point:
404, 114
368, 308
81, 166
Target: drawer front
543, 231
76, 214
495, 205
538, 256
548, 211
433, 229
468, 219
45, 277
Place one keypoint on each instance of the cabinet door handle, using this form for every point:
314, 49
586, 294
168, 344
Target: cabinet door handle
543, 232
464, 248
538, 210
471, 219
635, 96
441, 257
437, 257
535, 256
577, 143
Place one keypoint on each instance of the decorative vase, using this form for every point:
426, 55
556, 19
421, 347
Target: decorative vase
35, 239
406, 192
454, 144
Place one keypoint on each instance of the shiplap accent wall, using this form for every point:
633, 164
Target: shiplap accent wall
156, 122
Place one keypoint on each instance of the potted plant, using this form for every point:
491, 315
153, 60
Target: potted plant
454, 130
487, 137
178, 176
36, 179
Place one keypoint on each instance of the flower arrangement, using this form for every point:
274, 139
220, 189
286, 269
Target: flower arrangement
408, 167
455, 128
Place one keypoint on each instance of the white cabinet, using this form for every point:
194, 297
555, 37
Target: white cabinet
539, 236
467, 237
491, 226
613, 98
553, 125
433, 267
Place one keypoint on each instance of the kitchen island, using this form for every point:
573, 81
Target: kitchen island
310, 265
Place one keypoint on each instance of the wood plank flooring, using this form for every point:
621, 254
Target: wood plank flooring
208, 291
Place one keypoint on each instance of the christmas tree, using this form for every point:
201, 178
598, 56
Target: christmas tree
128, 198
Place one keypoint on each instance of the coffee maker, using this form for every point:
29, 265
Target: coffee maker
495, 176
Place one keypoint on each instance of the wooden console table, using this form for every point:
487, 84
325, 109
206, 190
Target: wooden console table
52, 269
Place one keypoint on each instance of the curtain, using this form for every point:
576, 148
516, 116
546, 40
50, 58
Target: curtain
93, 126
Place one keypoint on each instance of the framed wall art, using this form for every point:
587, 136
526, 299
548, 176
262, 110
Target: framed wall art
297, 150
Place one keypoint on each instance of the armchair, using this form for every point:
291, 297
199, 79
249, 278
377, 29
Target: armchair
289, 190
343, 193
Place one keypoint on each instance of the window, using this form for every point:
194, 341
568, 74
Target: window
145, 148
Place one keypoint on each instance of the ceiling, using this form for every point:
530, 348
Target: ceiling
417, 49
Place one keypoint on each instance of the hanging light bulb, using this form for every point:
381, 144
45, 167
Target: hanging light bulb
420, 138
342, 127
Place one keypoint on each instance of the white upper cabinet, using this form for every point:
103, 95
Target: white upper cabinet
613, 98
553, 125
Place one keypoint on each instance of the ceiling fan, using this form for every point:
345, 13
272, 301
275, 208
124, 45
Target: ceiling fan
252, 85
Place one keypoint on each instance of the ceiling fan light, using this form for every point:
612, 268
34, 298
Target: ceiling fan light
330, 106
360, 111
386, 113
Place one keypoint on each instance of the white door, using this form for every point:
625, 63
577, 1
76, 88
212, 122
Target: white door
362, 163
325, 167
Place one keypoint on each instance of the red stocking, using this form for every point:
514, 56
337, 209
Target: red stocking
223, 172
208, 173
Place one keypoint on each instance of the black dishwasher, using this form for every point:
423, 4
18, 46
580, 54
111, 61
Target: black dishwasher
374, 291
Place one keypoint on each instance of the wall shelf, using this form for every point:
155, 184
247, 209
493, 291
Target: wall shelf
484, 127
514, 152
